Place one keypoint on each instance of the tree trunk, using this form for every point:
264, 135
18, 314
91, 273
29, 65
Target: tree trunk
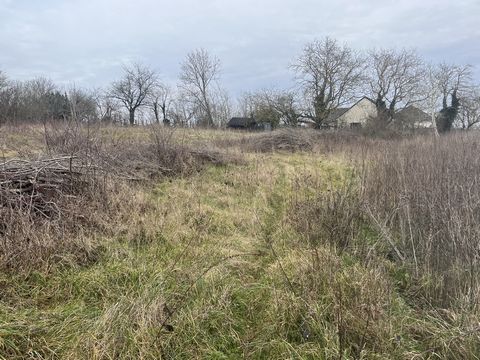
166, 121
434, 121
155, 111
449, 114
320, 109
209, 116
132, 116
208, 110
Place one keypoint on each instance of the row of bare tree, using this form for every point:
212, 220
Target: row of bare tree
199, 99
39, 99
328, 75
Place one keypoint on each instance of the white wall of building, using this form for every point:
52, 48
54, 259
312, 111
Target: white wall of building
361, 112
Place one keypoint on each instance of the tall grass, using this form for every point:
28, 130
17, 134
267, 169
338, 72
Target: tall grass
416, 201
409, 210
313, 245
424, 193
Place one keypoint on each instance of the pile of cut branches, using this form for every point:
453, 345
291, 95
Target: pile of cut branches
36, 187
48, 209
290, 140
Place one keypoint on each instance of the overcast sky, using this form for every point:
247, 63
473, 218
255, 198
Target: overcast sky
87, 41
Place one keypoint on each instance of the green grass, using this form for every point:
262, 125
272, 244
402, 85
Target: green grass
221, 255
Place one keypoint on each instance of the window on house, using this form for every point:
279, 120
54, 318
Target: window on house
355, 125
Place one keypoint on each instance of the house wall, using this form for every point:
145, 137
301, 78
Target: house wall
415, 117
359, 113
423, 125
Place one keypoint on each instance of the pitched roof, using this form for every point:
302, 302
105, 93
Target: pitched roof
241, 122
413, 114
336, 113
366, 98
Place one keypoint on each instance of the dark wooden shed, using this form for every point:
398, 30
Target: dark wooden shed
248, 124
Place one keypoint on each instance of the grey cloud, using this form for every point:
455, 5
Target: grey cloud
86, 41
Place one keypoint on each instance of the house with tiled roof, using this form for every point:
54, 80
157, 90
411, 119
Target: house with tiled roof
354, 116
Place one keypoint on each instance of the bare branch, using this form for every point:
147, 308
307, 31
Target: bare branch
199, 72
134, 88
330, 75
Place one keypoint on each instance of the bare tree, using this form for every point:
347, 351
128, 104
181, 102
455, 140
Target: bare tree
134, 89
160, 101
5, 98
454, 83
245, 104
33, 100
395, 79
41, 100
432, 92
182, 112
199, 72
280, 106
3, 80
469, 112
330, 75
222, 107
82, 104
286, 105
261, 106
107, 108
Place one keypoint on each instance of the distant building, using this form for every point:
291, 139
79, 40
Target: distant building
365, 109
412, 116
242, 123
354, 116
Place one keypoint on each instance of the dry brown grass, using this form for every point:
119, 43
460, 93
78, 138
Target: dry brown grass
424, 194
286, 139
304, 254
414, 201
83, 183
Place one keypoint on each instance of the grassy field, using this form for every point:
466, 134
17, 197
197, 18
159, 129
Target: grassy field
269, 255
